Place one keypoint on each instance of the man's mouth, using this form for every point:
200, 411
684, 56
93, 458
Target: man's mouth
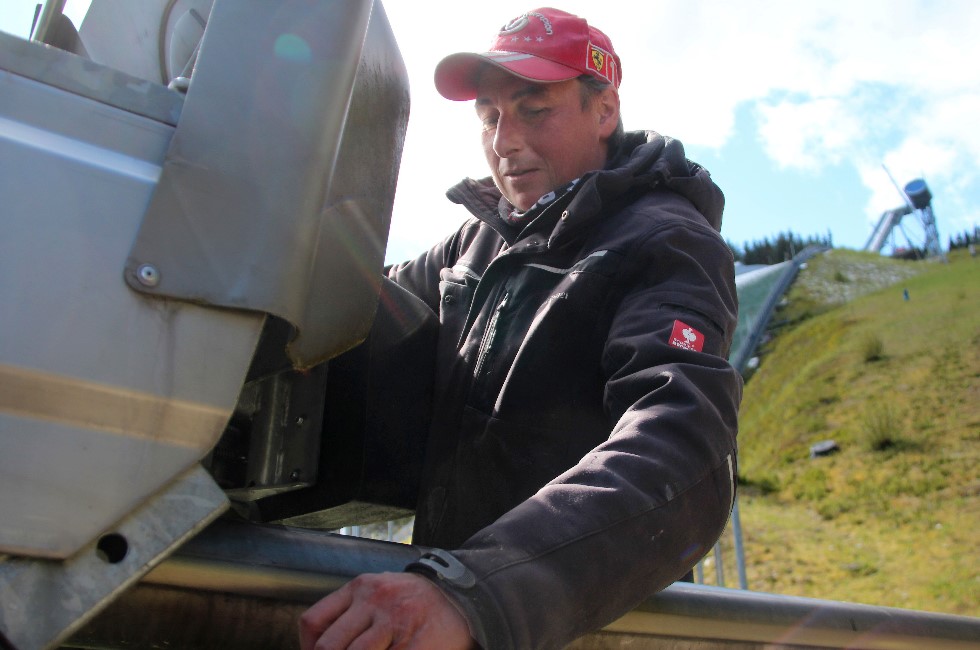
517, 173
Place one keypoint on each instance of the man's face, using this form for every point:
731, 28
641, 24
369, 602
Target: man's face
537, 137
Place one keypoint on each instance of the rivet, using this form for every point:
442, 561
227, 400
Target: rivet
564, 215
180, 84
148, 275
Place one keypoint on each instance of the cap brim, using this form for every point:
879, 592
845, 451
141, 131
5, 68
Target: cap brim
457, 75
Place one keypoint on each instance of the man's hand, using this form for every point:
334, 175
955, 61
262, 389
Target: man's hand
385, 610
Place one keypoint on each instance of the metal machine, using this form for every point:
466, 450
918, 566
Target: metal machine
189, 234
195, 205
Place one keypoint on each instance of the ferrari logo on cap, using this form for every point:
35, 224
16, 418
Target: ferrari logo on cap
602, 63
598, 59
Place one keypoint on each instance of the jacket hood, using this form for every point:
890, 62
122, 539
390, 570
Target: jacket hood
643, 161
646, 159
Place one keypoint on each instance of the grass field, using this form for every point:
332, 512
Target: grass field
893, 518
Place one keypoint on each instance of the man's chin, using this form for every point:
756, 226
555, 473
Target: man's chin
522, 200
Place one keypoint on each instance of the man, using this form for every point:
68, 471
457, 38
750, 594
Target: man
582, 450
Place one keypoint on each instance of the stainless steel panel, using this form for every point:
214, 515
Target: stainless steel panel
81, 76
105, 395
139, 38
276, 192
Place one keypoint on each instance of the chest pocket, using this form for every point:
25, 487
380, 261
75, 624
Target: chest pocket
456, 287
548, 338
586, 283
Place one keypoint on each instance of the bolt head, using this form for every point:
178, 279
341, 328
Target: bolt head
148, 275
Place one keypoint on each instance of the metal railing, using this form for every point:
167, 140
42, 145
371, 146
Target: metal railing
244, 586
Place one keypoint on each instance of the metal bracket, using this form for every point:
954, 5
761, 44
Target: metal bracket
45, 601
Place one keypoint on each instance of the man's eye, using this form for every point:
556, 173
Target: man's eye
489, 123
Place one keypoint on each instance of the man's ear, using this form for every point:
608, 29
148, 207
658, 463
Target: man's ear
607, 111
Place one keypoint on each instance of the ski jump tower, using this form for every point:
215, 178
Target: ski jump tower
918, 201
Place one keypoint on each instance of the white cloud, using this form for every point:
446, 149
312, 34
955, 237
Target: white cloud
808, 134
896, 88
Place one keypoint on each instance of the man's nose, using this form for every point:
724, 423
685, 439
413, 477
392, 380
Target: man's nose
508, 138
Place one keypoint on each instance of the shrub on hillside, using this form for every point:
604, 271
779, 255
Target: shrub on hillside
882, 426
872, 348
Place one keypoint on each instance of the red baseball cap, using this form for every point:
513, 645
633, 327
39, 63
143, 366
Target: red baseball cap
540, 45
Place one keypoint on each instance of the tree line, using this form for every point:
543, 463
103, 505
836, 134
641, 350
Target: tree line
965, 238
782, 248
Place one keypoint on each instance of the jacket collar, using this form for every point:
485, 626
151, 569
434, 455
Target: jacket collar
644, 160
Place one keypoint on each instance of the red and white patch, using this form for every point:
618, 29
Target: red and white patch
601, 62
686, 337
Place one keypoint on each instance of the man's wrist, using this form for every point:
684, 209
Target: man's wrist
442, 566
445, 571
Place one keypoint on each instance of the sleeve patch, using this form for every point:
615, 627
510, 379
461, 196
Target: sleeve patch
686, 337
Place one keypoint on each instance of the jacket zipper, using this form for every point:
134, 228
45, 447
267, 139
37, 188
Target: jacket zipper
490, 334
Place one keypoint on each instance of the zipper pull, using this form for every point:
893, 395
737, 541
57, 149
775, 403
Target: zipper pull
503, 302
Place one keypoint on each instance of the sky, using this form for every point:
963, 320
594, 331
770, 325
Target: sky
797, 109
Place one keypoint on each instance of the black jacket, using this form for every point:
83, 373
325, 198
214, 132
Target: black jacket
582, 450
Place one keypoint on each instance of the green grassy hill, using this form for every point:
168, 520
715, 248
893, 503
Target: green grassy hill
893, 518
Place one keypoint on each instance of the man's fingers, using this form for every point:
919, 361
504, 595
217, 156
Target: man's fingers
321, 615
345, 630
378, 611
376, 637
